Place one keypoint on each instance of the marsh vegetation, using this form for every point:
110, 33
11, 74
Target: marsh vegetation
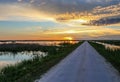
31, 69
113, 56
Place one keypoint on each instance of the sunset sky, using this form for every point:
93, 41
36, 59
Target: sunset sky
59, 19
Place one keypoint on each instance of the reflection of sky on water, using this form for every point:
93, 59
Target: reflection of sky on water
39, 42
109, 46
8, 58
6, 63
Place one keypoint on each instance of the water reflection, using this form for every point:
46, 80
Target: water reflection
9, 58
39, 42
109, 46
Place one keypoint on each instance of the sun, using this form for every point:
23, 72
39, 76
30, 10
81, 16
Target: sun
68, 38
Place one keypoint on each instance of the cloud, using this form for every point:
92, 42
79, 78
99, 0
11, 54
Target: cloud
82, 33
98, 16
73, 16
108, 9
62, 11
106, 15
23, 12
105, 21
108, 37
93, 31
20, 0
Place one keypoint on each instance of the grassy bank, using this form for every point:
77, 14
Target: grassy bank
29, 70
112, 56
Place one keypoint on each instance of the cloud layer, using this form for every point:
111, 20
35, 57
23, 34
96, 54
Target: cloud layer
81, 19
91, 11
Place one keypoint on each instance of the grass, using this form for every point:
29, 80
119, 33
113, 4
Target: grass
25, 47
30, 70
112, 56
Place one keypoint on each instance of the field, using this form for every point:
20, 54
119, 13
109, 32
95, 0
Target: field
29, 70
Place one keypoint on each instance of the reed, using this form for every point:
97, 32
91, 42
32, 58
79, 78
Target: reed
112, 56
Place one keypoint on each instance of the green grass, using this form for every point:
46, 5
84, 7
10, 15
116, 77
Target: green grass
112, 56
30, 70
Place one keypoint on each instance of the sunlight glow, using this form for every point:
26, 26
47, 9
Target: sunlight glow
80, 21
70, 31
68, 38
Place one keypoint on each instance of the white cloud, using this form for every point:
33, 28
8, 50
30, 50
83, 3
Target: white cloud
22, 12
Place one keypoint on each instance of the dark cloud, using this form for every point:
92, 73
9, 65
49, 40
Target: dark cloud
63, 6
105, 21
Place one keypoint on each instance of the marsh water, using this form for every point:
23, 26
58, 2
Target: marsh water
10, 58
39, 42
109, 46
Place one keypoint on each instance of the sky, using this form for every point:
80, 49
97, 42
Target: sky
59, 19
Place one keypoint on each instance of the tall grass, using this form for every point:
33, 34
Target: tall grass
112, 56
29, 70
24, 47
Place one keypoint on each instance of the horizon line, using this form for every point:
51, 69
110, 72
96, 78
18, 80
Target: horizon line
42, 40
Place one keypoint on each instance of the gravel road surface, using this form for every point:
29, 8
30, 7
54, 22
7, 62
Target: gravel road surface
84, 64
